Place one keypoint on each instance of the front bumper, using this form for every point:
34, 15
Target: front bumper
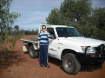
97, 57
91, 58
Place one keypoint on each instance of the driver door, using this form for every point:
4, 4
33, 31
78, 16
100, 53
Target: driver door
53, 43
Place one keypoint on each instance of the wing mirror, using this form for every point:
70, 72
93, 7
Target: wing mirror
52, 37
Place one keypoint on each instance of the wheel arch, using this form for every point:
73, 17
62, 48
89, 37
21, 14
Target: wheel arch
65, 51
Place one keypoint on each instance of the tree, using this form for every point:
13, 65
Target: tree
71, 11
54, 17
6, 18
79, 13
75, 10
99, 18
16, 28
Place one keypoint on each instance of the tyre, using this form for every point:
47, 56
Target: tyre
70, 64
32, 52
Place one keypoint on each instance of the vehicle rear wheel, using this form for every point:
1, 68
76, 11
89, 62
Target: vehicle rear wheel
32, 52
70, 64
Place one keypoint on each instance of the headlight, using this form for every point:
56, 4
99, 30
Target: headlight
90, 50
84, 48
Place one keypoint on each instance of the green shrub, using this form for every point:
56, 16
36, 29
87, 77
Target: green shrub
91, 31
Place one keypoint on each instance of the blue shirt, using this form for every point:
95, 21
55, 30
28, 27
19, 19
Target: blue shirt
43, 38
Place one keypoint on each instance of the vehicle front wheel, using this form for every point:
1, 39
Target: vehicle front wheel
70, 64
32, 52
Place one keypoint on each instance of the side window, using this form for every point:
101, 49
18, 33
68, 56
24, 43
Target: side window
51, 31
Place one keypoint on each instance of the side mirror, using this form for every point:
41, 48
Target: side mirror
52, 37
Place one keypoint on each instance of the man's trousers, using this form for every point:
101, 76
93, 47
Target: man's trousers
43, 55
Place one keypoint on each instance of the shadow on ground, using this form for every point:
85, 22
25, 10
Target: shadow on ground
90, 67
84, 68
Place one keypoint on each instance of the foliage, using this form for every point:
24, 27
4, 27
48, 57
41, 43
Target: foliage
25, 32
78, 13
98, 18
7, 51
75, 11
6, 18
54, 17
16, 28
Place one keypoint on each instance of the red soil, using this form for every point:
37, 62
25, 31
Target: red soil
26, 67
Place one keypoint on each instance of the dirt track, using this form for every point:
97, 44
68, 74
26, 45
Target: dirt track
29, 68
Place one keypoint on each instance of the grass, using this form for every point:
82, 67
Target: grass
7, 52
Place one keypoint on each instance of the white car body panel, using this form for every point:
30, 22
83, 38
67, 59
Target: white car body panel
58, 45
73, 43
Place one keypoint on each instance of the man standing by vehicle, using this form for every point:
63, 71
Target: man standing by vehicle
43, 46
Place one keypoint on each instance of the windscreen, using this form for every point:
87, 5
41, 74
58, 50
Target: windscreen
67, 32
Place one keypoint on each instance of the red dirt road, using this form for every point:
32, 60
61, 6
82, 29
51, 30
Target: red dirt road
27, 67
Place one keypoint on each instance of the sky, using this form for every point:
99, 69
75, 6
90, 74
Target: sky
34, 12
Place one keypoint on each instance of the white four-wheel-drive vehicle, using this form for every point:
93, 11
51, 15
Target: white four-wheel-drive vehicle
68, 46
